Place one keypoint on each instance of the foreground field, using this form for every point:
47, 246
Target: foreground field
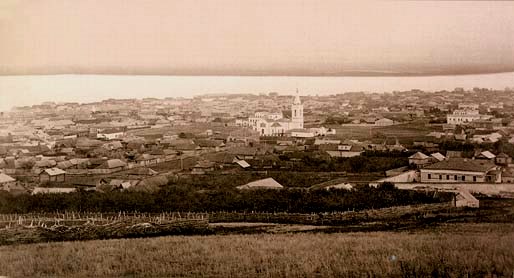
454, 250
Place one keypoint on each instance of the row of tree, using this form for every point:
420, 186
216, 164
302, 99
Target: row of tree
187, 198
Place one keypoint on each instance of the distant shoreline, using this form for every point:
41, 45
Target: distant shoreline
21, 90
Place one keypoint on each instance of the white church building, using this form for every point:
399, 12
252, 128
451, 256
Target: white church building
274, 124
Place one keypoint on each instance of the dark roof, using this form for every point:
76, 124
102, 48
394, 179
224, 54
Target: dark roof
462, 164
142, 171
185, 147
502, 155
242, 151
219, 157
209, 143
453, 154
204, 164
84, 181
144, 157
418, 155
112, 163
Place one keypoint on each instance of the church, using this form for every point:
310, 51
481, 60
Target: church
274, 123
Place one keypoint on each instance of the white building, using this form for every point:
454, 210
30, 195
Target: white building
461, 170
110, 135
384, 122
274, 124
463, 116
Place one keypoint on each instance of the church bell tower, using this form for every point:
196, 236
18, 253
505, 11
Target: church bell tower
297, 112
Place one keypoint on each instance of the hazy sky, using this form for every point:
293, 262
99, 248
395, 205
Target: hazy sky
255, 37
39, 38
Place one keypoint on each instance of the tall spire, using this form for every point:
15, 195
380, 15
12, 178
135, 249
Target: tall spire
297, 100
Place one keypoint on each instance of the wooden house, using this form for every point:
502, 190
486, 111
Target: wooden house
419, 159
52, 175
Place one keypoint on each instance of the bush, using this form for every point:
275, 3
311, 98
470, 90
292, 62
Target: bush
187, 198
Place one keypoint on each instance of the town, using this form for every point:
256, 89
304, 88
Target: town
415, 139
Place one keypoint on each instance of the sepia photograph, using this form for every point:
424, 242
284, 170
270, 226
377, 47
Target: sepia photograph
256, 138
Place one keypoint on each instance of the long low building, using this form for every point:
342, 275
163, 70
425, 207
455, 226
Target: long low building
461, 170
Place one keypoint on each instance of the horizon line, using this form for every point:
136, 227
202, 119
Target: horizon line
350, 73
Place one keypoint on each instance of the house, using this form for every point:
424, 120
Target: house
221, 158
6, 181
114, 145
86, 182
210, 145
453, 154
52, 175
146, 159
110, 134
486, 155
343, 150
186, 147
427, 143
403, 177
419, 159
455, 170
324, 142
267, 161
202, 167
151, 184
141, 171
463, 198
460, 137
503, 159
384, 122
243, 152
436, 157
119, 184
113, 164
87, 144
64, 165
243, 164
79, 163
302, 133
45, 163
508, 175
464, 116
268, 183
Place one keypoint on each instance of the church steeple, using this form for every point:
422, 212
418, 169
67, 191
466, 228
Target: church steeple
297, 111
297, 100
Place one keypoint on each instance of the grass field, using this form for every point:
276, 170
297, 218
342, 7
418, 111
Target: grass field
452, 250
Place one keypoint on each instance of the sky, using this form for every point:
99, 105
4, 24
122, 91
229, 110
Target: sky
255, 37
86, 50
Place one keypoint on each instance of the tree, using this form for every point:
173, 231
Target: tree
386, 186
27, 164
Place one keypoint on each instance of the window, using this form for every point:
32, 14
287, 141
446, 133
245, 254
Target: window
447, 177
463, 178
455, 177
429, 176
474, 178
440, 177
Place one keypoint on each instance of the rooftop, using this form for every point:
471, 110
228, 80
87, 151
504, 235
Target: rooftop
462, 164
